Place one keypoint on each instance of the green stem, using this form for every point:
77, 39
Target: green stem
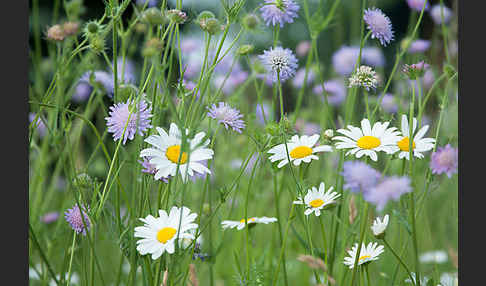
399, 259
361, 237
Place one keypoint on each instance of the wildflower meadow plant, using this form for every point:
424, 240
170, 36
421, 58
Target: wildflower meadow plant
233, 142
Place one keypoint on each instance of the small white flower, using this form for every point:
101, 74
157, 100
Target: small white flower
379, 226
367, 254
419, 144
158, 234
329, 133
300, 150
251, 221
166, 151
365, 77
366, 140
438, 256
315, 200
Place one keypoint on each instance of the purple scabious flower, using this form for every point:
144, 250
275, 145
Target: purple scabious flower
84, 87
391, 188
41, 127
267, 109
139, 120
128, 74
419, 46
358, 176
151, 3
50, 217
227, 116
150, 169
279, 11
335, 89
417, 5
73, 217
437, 11
298, 80
279, 61
444, 160
307, 128
373, 56
344, 60
379, 24
389, 104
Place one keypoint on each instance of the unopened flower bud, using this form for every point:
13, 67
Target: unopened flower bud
97, 44
212, 26
93, 27
415, 71
250, 21
176, 16
245, 49
56, 33
329, 133
70, 28
152, 47
154, 16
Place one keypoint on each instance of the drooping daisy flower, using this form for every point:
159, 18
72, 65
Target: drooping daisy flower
365, 77
419, 144
159, 234
315, 200
419, 46
166, 151
300, 149
367, 254
138, 120
359, 176
417, 5
438, 11
279, 61
438, 256
379, 24
279, 11
390, 188
227, 116
366, 140
379, 226
73, 217
251, 222
444, 160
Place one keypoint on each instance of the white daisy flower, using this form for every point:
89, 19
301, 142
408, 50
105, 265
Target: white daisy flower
166, 151
301, 149
251, 221
366, 140
437, 256
379, 226
419, 144
158, 234
315, 200
367, 254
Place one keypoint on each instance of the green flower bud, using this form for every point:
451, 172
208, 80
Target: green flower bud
251, 21
153, 16
245, 49
152, 47
204, 15
212, 26
97, 44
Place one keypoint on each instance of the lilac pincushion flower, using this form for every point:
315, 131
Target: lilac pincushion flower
303, 48
379, 24
41, 127
417, 5
84, 87
373, 56
444, 160
227, 116
359, 176
298, 80
390, 188
279, 11
279, 61
419, 46
344, 60
267, 109
139, 120
437, 11
73, 217
50, 217
150, 169
307, 128
389, 104
335, 89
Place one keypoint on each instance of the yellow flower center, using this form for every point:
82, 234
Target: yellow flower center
363, 257
300, 152
404, 144
165, 234
316, 203
250, 220
173, 153
368, 142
